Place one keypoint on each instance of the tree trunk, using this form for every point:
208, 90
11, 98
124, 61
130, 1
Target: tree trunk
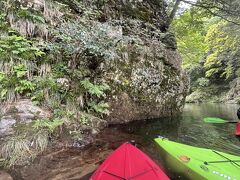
173, 13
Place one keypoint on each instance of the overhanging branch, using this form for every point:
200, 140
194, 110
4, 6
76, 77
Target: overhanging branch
210, 7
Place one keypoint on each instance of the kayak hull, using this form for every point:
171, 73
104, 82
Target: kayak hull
195, 163
128, 162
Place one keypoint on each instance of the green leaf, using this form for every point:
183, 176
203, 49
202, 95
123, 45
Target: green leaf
94, 89
3, 93
101, 107
39, 53
15, 52
48, 124
2, 76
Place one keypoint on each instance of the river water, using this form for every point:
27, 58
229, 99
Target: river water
187, 128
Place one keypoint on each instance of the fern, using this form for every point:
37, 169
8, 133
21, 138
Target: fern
101, 107
26, 14
3, 93
38, 97
94, 89
84, 119
48, 124
20, 70
24, 85
2, 76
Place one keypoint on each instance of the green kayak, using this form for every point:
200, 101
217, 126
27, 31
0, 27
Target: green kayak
198, 163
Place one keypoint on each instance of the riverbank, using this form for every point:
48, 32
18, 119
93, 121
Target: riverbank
75, 163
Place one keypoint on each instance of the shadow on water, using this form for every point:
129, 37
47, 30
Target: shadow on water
187, 128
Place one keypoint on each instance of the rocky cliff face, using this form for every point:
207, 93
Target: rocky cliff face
124, 43
146, 80
233, 94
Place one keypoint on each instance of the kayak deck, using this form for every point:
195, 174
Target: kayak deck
129, 163
199, 163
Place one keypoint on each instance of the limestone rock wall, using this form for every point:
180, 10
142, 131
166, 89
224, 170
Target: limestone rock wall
147, 80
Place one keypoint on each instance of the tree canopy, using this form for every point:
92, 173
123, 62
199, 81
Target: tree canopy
225, 9
208, 35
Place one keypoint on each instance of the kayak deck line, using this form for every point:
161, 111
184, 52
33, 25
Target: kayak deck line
209, 162
226, 158
123, 178
141, 174
115, 175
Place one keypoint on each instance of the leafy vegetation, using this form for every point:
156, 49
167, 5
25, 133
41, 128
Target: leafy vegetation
53, 65
27, 71
210, 50
48, 124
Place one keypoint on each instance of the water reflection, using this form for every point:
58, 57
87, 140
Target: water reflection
189, 127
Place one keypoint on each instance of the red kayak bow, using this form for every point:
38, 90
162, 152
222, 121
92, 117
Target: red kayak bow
237, 131
129, 163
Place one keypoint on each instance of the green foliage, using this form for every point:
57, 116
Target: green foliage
20, 70
97, 90
203, 82
195, 71
101, 107
15, 48
3, 24
26, 14
84, 119
89, 39
38, 97
94, 89
210, 50
60, 70
223, 50
16, 80
44, 87
50, 125
64, 78
24, 85
190, 31
197, 96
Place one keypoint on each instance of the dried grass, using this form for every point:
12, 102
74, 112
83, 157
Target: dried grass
22, 149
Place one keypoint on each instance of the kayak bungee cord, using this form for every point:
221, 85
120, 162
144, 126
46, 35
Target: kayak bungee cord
233, 161
206, 163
